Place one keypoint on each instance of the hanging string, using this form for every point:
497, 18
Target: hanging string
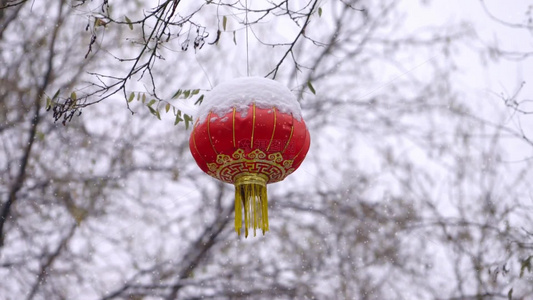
246, 24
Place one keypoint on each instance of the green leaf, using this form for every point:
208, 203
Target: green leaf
178, 118
320, 11
56, 94
177, 94
195, 92
199, 101
129, 22
167, 107
311, 88
186, 94
79, 214
510, 294
224, 22
154, 112
48, 102
526, 263
188, 120
151, 102
73, 96
144, 98
234, 39
131, 97
39, 135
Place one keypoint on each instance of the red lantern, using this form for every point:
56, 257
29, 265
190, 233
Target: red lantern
250, 133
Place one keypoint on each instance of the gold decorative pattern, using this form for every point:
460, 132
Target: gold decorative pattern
212, 167
273, 166
238, 154
288, 164
275, 157
255, 154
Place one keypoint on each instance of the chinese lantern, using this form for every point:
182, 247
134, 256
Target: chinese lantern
250, 132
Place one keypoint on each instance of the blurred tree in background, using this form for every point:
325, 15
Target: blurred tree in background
417, 184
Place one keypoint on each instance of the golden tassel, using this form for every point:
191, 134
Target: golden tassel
251, 195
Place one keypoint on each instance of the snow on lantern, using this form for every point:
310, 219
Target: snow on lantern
250, 132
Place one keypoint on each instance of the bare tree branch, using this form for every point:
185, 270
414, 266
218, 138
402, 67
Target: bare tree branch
44, 271
19, 180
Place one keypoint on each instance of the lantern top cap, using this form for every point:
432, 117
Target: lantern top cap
240, 93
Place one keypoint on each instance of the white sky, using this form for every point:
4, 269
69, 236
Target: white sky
500, 77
